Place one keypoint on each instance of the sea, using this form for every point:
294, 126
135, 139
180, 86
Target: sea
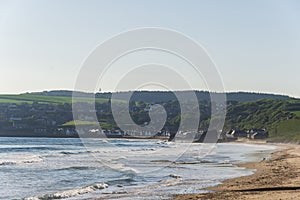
75, 168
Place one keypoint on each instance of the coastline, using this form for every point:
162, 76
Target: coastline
275, 178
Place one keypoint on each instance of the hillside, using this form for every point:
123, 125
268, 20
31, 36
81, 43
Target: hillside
276, 113
65, 96
48, 99
280, 117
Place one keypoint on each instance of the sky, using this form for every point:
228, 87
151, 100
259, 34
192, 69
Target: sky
254, 44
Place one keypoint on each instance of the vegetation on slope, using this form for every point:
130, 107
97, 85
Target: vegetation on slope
287, 130
280, 117
30, 98
279, 114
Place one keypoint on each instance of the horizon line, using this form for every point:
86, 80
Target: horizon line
195, 90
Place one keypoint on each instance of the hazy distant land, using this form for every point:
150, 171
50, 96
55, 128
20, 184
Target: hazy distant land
47, 113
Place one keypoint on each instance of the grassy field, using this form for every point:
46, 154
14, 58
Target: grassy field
13, 101
30, 98
288, 130
72, 123
297, 113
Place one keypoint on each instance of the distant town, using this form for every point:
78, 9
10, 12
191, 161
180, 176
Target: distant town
45, 115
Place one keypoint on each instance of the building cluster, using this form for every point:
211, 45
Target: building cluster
254, 133
34, 118
46, 119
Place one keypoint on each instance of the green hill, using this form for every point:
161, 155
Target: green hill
276, 113
29, 98
65, 96
288, 130
280, 117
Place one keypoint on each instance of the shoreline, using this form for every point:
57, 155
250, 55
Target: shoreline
84, 137
275, 178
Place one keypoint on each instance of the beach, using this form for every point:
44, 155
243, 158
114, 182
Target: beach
275, 178
74, 168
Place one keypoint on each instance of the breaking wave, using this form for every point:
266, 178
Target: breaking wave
70, 193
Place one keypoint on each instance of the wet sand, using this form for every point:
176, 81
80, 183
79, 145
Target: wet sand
275, 178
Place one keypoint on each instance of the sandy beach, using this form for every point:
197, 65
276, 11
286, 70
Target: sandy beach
276, 178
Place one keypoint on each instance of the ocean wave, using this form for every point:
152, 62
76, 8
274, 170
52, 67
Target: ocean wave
192, 162
77, 168
7, 163
161, 161
123, 181
70, 193
28, 149
19, 159
176, 176
73, 152
182, 162
143, 149
176, 179
122, 168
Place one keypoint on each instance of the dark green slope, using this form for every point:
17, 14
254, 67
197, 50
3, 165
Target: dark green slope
280, 117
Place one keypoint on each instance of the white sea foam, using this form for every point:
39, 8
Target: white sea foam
8, 159
176, 176
122, 168
143, 168
70, 193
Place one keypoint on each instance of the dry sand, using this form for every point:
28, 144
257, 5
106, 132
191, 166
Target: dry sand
275, 178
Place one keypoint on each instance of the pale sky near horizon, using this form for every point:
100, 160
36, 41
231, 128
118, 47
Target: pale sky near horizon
255, 44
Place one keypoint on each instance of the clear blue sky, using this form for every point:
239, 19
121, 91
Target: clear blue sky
255, 44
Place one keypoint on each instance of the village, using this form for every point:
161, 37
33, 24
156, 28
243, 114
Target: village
52, 120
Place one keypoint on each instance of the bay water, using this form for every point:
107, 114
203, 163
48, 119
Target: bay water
74, 168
